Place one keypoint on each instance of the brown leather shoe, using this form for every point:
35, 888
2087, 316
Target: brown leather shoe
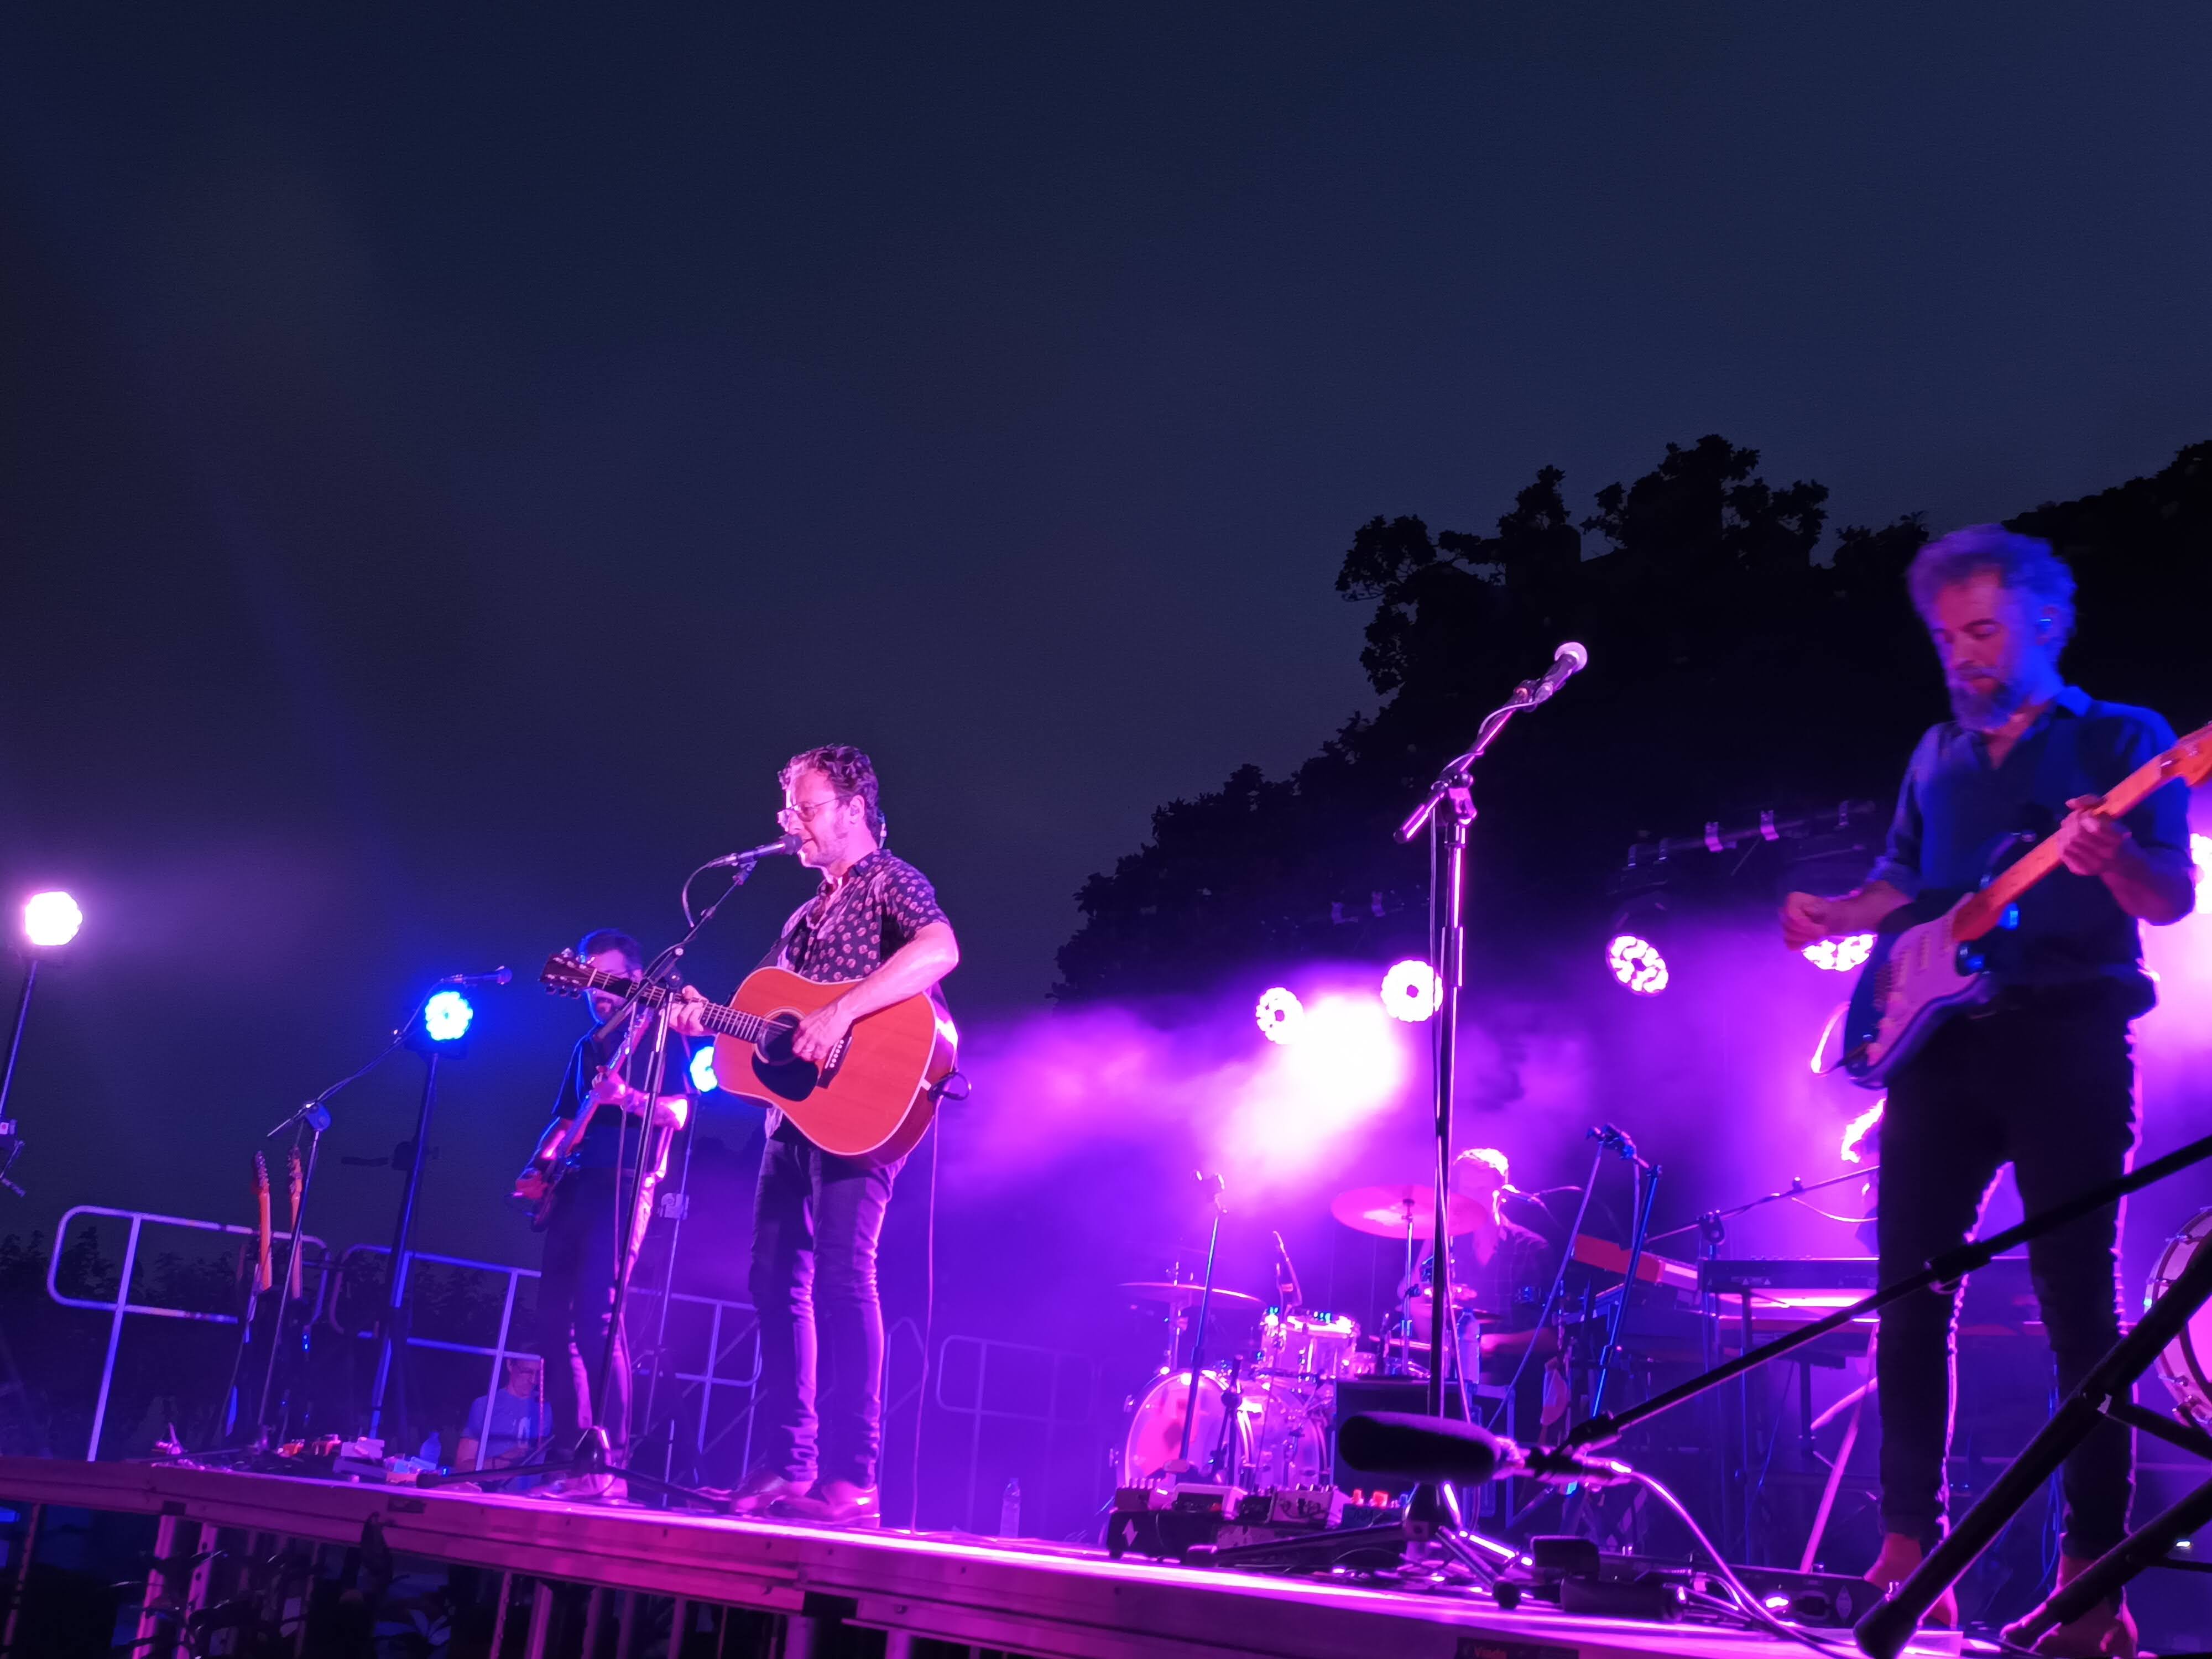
835, 1503
758, 1491
1900, 1555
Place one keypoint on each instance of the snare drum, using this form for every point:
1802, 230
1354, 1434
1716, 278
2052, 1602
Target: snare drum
1280, 1437
2186, 1364
1315, 1346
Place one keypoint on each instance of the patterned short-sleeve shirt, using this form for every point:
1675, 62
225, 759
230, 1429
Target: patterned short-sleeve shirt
851, 924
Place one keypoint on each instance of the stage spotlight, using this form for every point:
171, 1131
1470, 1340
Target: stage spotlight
446, 1017
1841, 955
1282, 1017
703, 1069
1637, 964
1856, 1131
2200, 854
1411, 990
51, 920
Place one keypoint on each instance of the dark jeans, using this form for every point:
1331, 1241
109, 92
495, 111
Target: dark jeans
575, 1311
2046, 1082
816, 1221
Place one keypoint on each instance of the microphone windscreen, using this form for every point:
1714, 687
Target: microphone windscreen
1401, 1445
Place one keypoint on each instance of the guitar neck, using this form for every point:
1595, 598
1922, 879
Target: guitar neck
724, 1022
1983, 910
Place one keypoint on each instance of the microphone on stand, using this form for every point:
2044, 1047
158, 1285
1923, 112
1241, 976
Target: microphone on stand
767, 849
1567, 661
497, 976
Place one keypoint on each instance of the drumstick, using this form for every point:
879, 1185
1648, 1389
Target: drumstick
263, 1278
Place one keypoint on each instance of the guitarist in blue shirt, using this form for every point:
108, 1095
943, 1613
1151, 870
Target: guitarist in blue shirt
2043, 1077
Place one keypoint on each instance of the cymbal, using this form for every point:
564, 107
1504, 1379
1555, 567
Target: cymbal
1181, 1295
1385, 1211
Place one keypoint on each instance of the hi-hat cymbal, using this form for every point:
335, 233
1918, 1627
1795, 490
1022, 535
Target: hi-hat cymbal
1388, 1212
1179, 1295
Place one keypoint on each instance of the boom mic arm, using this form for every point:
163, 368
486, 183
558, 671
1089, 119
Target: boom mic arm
1403, 1446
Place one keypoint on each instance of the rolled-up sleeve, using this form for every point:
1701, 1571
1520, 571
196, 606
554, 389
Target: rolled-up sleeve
1900, 863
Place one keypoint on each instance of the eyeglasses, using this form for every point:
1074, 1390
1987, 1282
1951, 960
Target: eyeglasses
792, 817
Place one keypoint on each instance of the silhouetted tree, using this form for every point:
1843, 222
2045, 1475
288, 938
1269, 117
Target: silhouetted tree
1730, 671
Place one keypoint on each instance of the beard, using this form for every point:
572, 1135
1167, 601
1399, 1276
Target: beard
1985, 705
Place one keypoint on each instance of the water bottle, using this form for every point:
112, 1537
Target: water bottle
1010, 1512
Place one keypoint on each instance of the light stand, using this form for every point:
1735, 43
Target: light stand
7, 1077
392, 1337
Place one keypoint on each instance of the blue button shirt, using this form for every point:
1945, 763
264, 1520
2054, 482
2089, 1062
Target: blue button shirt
1957, 815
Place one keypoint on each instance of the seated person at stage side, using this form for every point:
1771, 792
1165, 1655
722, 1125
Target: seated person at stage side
509, 1427
1499, 1271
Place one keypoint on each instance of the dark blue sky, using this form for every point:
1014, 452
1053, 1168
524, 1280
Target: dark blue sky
449, 461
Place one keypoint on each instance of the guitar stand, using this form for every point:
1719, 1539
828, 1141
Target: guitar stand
2104, 1394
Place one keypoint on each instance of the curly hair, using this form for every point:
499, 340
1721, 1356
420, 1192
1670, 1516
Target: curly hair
2022, 563
849, 772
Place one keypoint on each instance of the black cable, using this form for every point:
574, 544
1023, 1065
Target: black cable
1754, 1609
1558, 1283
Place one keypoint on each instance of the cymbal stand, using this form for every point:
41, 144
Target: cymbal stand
1182, 1465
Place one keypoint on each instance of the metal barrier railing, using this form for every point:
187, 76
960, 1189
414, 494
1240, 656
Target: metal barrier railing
719, 1311
122, 1307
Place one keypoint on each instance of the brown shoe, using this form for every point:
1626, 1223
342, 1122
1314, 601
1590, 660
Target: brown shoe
757, 1491
835, 1503
1900, 1555
2107, 1631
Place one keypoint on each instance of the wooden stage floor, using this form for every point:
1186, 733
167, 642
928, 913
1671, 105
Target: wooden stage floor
1034, 1600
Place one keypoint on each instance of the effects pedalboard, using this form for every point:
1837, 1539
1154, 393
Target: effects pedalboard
1192, 1522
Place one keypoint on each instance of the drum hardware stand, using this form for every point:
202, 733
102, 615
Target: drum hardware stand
1182, 1465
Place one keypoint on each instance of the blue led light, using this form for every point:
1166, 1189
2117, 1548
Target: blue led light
446, 1017
703, 1069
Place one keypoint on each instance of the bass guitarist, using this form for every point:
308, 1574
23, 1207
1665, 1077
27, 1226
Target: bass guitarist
2042, 1078
575, 1183
817, 1217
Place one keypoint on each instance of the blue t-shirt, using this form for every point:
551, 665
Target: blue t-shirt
516, 1424
1957, 814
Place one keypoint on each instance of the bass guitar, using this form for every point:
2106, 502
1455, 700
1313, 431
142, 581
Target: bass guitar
871, 1099
1931, 957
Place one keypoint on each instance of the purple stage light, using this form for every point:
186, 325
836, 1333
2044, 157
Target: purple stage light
51, 921
1636, 963
2200, 854
703, 1069
1859, 1128
1841, 955
1282, 1017
446, 1017
1411, 990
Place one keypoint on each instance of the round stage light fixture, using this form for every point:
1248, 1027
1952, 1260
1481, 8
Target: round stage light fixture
1840, 955
1411, 991
1637, 964
1282, 1017
446, 1017
703, 1069
51, 920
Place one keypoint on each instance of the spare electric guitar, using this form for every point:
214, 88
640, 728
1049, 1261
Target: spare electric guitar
1931, 957
871, 1099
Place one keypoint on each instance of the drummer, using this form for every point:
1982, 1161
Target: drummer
1499, 1271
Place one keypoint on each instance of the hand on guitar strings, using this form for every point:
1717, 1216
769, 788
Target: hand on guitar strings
820, 1032
2089, 843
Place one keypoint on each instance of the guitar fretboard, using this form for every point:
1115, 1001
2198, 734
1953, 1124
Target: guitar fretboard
723, 1021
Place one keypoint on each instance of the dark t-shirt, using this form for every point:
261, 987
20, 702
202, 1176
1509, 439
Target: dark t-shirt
1956, 812
1510, 1285
849, 927
611, 1124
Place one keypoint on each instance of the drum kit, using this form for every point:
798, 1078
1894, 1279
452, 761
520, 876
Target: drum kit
2186, 1364
1263, 1417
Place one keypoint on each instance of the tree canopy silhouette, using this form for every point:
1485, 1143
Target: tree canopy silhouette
1731, 670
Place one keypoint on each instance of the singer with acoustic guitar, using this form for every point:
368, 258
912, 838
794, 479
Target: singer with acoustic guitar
2038, 1071
575, 1187
874, 922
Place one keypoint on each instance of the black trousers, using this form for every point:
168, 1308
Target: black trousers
817, 1218
2046, 1081
575, 1312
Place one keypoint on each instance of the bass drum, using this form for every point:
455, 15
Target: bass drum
1280, 1437
2186, 1364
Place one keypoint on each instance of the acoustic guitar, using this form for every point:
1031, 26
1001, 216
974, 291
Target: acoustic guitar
872, 1099
1929, 957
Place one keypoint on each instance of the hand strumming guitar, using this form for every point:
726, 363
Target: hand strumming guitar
1806, 919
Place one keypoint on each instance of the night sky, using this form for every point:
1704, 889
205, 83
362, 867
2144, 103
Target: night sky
450, 462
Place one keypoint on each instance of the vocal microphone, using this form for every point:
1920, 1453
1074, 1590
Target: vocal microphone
1403, 1446
497, 976
1568, 660
767, 849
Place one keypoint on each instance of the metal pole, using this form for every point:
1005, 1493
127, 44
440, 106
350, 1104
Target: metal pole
1450, 821
394, 1335
16, 1042
114, 1339
292, 1270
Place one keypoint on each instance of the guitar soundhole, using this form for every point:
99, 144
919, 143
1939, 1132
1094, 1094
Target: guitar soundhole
781, 1072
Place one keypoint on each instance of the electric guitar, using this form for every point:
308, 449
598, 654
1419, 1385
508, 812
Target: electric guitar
1929, 957
872, 1099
